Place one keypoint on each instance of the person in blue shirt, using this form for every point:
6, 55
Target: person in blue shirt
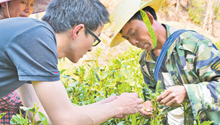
10, 103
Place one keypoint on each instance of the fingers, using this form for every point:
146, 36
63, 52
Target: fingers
172, 103
146, 111
139, 106
163, 95
167, 101
147, 104
173, 96
140, 101
135, 109
130, 103
146, 116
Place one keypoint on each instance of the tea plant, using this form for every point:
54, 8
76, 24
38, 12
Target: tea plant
18, 119
90, 83
156, 118
204, 123
96, 83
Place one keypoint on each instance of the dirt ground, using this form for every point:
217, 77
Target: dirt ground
178, 19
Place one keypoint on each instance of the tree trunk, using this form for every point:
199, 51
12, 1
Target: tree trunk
177, 5
208, 24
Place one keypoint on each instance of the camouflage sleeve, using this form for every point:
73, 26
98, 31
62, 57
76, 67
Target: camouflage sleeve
144, 70
151, 84
205, 95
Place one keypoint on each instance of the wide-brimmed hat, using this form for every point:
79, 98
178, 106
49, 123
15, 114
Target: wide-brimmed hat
39, 5
127, 9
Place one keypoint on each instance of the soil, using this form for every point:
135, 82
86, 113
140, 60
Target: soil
178, 19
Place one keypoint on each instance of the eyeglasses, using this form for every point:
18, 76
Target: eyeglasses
97, 40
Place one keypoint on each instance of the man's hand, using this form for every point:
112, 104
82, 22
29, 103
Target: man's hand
173, 96
146, 110
107, 100
129, 103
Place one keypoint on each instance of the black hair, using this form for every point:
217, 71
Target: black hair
146, 9
62, 15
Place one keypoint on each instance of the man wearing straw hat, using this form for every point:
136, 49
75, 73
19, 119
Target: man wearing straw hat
30, 49
184, 63
16, 8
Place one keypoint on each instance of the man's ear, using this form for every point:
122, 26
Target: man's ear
151, 18
77, 29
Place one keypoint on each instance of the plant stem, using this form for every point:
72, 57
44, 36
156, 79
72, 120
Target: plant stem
33, 118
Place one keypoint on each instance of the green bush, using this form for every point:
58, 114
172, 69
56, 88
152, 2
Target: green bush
196, 11
90, 83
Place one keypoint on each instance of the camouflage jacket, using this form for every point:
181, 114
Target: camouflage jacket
193, 61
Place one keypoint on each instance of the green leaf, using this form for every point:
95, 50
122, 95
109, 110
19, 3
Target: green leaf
118, 83
126, 74
62, 71
38, 122
101, 92
32, 109
17, 120
127, 123
134, 122
26, 121
105, 75
1, 115
42, 118
207, 122
161, 106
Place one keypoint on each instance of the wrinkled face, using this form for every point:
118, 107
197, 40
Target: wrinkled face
82, 44
137, 34
20, 8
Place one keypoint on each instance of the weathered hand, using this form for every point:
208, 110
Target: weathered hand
146, 110
129, 103
173, 96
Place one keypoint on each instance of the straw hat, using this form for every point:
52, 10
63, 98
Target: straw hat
127, 9
39, 5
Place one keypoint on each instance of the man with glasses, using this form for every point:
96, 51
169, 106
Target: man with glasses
29, 53
96, 40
